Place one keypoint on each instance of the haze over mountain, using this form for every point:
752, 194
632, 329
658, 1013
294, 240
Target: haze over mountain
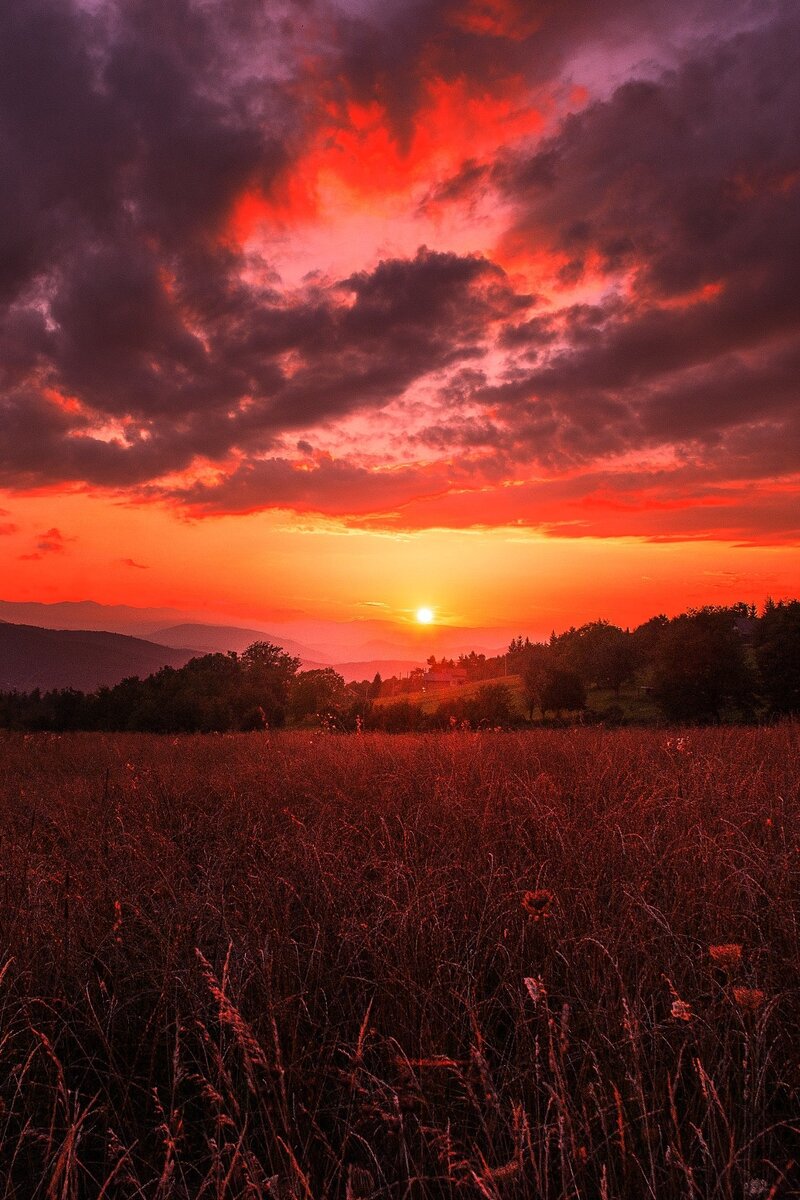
357, 672
372, 638
376, 643
219, 639
88, 614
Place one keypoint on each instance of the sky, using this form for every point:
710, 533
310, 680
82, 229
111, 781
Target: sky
336, 308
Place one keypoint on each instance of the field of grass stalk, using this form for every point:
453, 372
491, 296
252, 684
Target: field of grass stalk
556, 964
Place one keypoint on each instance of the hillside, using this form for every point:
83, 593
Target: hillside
32, 657
430, 700
630, 705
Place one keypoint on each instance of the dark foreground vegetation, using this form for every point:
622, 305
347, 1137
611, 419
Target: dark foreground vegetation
710, 665
556, 964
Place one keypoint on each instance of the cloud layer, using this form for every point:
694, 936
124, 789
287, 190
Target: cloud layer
569, 302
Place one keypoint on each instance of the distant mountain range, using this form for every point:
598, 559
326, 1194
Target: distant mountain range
31, 657
385, 667
316, 640
113, 641
88, 614
219, 639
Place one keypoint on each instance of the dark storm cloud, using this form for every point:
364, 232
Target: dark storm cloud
690, 184
121, 348
131, 117
135, 338
390, 52
687, 178
327, 486
128, 131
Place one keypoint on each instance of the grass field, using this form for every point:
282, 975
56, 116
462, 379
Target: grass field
312, 966
631, 703
430, 700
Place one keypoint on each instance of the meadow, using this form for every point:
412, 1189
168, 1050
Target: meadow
630, 704
557, 964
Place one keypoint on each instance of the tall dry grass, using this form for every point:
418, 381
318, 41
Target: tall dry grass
308, 966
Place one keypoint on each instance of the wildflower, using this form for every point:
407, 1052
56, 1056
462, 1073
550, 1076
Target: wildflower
727, 955
748, 999
681, 1011
537, 903
536, 990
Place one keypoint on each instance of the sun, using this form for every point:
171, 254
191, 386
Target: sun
425, 616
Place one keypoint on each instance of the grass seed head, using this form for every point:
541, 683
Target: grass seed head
727, 955
681, 1010
749, 999
536, 990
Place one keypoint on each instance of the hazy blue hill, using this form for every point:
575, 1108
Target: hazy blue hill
32, 657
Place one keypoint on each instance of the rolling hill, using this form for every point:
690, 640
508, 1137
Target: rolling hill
32, 657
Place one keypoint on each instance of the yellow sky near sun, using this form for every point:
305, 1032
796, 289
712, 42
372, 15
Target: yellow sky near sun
274, 565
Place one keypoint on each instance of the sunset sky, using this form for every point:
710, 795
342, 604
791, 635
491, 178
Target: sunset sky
336, 308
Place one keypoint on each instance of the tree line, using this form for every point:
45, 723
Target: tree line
707, 665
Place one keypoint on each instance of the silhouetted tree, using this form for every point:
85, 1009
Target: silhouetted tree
700, 668
400, 717
610, 655
492, 704
474, 664
374, 690
646, 638
777, 651
319, 691
563, 691
269, 671
536, 667
601, 653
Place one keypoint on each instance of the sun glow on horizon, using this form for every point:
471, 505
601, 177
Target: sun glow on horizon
425, 616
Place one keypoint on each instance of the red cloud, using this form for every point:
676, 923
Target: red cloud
50, 542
